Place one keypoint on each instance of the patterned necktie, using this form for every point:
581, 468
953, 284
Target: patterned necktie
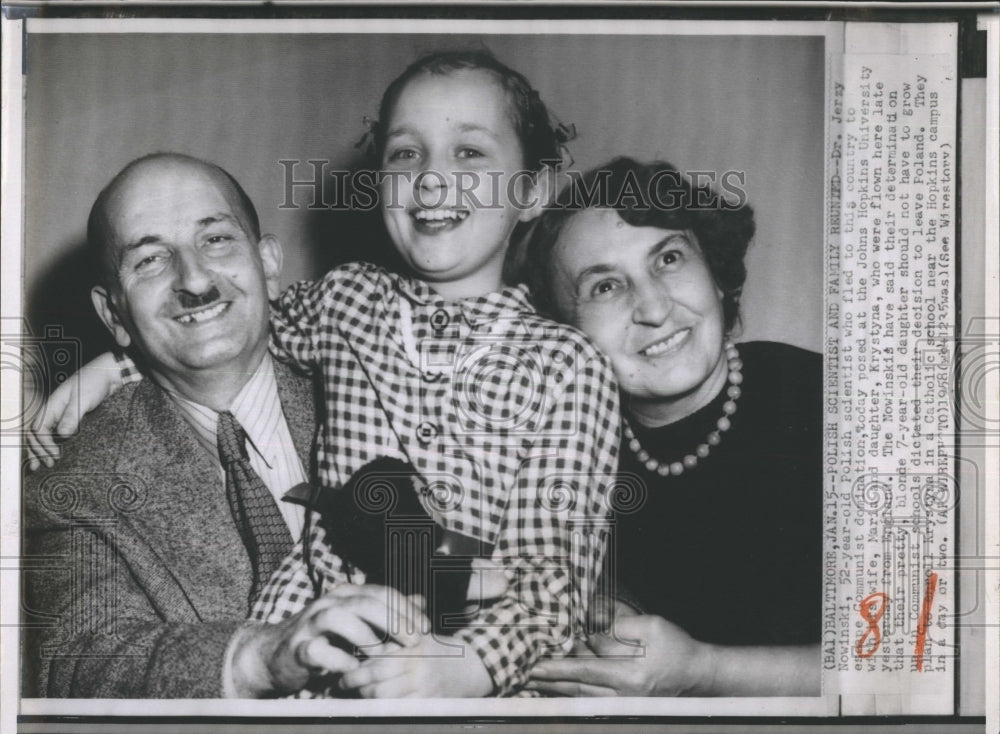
255, 512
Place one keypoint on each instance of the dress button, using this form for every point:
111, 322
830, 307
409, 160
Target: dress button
440, 319
426, 432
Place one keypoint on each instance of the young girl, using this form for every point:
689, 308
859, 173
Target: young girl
510, 419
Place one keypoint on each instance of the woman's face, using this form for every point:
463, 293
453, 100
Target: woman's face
647, 298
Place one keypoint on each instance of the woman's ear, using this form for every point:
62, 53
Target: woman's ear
107, 310
271, 257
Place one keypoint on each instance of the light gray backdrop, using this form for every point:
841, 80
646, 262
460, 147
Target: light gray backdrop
712, 103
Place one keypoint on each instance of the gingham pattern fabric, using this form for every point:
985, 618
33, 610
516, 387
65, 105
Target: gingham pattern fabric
255, 512
511, 419
128, 370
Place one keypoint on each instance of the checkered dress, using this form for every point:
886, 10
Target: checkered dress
512, 420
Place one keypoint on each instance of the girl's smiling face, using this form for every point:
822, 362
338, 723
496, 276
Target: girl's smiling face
455, 185
648, 300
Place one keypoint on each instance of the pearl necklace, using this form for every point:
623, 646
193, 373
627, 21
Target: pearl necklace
714, 438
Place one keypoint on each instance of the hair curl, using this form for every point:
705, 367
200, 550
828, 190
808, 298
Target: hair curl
652, 194
542, 140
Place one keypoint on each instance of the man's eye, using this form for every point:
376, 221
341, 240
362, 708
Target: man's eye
470, 153
219, 239
149, 263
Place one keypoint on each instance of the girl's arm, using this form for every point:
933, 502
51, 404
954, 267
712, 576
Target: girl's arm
80, 394
294, 315
298, 315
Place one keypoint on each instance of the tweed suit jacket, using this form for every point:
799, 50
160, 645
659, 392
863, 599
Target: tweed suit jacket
136, 577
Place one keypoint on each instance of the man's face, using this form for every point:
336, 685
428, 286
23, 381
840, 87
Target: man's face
193, 286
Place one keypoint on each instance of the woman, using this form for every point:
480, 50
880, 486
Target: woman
718, 554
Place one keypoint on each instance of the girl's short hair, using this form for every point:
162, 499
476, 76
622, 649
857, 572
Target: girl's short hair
540, 140
647, 195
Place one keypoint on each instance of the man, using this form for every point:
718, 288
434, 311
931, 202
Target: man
144, 553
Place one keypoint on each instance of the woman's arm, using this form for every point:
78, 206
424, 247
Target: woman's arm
781, 670
649, 656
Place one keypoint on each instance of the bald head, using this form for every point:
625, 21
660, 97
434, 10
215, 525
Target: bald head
105, 243
188, 274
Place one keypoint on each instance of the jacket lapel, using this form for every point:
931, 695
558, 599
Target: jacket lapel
298, 402
190, 545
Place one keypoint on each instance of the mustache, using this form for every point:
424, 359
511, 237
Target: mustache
197, 300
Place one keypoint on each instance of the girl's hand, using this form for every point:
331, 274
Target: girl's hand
430, 669
67, 405
280, 658
650, 657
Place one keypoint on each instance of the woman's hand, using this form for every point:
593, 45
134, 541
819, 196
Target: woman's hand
67, 404
671, 663
646, 656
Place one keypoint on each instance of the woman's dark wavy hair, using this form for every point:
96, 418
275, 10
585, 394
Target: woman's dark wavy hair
647, 195
541, 141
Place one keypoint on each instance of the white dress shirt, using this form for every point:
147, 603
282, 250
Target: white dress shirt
270, 447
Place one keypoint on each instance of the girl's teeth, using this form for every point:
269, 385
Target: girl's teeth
199, 316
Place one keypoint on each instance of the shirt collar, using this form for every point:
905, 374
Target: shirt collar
475, 309
253, 407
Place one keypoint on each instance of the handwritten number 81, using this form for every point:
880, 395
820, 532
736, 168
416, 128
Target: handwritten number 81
872, 609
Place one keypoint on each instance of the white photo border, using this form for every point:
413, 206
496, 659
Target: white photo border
12, 307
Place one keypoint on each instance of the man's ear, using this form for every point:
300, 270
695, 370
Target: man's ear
271, 257
540, 189
105, 306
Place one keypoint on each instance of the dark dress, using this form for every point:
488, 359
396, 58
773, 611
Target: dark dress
732, 550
